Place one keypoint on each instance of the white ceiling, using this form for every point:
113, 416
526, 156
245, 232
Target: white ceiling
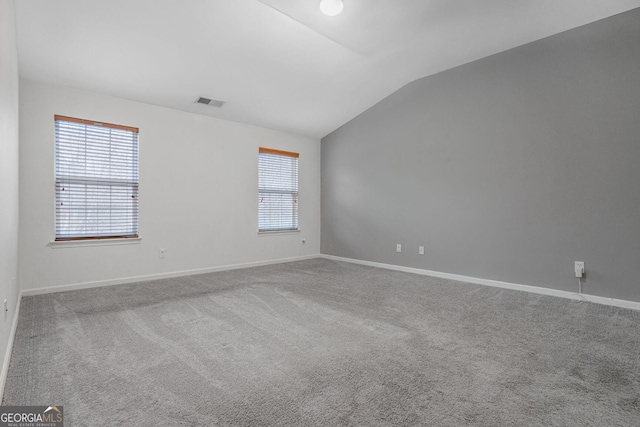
279, 64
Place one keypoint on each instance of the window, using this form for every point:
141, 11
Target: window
277, 190
96, 173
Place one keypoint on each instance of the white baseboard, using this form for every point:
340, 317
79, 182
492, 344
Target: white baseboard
143, 278
495, 283
7, 355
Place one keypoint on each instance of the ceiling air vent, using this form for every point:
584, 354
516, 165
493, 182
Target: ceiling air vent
210, 102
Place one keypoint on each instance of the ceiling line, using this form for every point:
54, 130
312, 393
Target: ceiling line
315, 31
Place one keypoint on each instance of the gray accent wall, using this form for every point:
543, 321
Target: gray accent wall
508, 168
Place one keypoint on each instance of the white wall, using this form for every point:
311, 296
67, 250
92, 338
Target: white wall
8, 170
198, 192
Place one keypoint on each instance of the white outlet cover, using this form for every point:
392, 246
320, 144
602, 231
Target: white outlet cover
579, 268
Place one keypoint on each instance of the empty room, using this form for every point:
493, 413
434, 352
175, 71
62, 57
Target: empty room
320, 213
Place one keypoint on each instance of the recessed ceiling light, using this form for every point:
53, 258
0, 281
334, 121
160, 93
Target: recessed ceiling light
331, 7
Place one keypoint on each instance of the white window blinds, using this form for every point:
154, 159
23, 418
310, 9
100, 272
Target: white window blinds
277, 190
96, 173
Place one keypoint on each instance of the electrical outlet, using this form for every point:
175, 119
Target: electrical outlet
398, 247
420, 250
579, 268
163, 253
304, 240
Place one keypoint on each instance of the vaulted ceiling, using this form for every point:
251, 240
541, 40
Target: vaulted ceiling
279, 64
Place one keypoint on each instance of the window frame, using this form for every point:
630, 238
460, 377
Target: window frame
132, 182
295, 193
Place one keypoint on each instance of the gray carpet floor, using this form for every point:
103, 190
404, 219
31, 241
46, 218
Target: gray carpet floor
325, 343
